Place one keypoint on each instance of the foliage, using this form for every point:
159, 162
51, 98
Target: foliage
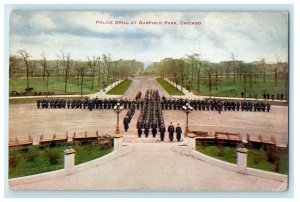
50, 158
53, 156
12, 160
226, 78
257, 159
171, 90
29, 156
121, 88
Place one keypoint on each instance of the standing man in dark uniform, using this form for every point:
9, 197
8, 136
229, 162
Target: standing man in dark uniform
147, 127
140, 131
162, 131
178, 132
171, 132
126, 123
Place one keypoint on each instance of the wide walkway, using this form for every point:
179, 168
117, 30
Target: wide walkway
156, 166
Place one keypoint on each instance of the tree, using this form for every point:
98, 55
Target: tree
263, 67
25, 57
285, 69
209, 69
65, 60
92, 66
82, 67
13, 65
46, 71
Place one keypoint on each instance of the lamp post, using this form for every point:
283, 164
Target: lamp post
118, 109
187, 109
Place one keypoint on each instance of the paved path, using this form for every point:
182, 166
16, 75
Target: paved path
143, 83
160, 166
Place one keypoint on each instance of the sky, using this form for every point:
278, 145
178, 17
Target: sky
249, 36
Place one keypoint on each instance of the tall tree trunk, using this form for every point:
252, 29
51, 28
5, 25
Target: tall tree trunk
209, 84
264, 75
234, 75
181, 81
66, 80
44, 72
81, 85
27, 74
245, 83
198, 80
216, 80
99, 76
276, 77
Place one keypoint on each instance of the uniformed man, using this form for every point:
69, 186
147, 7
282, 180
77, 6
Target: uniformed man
171, 132
126, 123
162, 131
178, 132
38, 103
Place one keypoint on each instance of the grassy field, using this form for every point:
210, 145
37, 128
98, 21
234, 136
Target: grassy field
120, 88
227, 87
256, 158
35, 159
56, 85
171, 90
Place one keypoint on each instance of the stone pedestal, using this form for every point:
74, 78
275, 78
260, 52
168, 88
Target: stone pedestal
118, 142
35, 140
242, 158
190, 141
69, 160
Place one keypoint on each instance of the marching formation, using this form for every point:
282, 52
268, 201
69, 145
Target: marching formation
86, 103
151, 116
215, 104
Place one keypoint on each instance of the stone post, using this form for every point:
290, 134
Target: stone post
69, 160
35, 140
118, 141
190, 141
242, 158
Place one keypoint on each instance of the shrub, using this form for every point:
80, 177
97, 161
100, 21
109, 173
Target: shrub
29, 156
24, 149
273, 154
53, 156
221, 150
12, 161
257, 158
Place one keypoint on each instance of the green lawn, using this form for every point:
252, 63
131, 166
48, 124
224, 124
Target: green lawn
35, 159
120, 88
171, 90
229, 88
56, 85
256, 158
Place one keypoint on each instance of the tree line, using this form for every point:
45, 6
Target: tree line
191, 69
102, 70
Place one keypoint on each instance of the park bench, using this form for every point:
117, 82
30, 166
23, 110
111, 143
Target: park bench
85, 137
259, 141
200, 133
55, 139
20, 141
228, 138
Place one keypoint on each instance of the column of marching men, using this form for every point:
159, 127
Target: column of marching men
151, 116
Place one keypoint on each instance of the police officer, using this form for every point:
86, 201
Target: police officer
126, 123
171, 132
178, 132
162, 131
38, 103
146, 127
